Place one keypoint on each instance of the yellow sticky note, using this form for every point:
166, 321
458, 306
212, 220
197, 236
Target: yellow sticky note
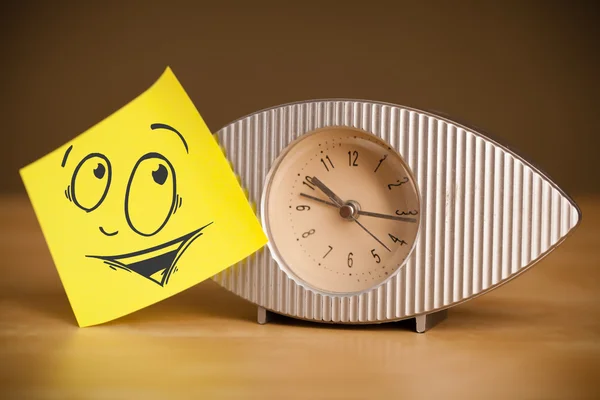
141, 206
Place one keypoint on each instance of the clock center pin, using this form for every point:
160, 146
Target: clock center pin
350, 210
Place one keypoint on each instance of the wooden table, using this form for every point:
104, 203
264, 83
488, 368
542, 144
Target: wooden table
538, 337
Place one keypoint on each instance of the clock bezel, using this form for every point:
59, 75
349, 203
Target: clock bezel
264, 197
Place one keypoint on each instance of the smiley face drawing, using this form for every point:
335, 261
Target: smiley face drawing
140, 206
151, 199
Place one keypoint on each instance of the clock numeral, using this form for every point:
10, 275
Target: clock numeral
376, 256
396, 240
398, 183
325, 164
350, 260
308, 182
302, 208
380, 161
350, 162
411, 212
328, 251
307, 234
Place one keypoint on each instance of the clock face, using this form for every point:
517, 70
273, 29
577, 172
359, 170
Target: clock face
341, 210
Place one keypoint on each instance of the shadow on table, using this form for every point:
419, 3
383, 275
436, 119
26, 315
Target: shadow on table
208, 300
478, 315
205, 300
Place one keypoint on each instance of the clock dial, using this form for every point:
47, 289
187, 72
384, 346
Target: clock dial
342, 210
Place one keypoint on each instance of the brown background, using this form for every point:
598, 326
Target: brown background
527, 72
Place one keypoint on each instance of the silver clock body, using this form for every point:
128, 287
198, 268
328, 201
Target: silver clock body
487, 215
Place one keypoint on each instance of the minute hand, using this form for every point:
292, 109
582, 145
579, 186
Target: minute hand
386, 216
365, 213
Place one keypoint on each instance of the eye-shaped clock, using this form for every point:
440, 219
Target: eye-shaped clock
377, 212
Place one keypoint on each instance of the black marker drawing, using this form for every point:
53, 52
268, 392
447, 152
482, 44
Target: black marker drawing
156, 263
178, 202
398, 183
380, 161
108, 233
176, 207
64, 160
170, 128
102, 172
68, 193
159, 176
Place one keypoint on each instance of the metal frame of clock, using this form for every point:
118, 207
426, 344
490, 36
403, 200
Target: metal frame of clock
486, 214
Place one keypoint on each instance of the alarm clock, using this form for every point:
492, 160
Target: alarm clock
377, 212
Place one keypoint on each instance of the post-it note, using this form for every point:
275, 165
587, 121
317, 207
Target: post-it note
141, 206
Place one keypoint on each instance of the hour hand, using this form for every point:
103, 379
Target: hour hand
315, 181
308, 196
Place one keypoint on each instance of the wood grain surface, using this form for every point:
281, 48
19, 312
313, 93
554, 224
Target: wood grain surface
537, 337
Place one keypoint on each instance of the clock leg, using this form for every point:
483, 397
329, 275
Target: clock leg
427, 321
264, 316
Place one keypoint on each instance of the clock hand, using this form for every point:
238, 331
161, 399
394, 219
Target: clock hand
317, 199
373, 236
354, 219
338, 202
385, 216
331, 204
365, 213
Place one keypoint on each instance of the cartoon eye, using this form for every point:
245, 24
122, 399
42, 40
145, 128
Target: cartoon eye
90, 181
150, 195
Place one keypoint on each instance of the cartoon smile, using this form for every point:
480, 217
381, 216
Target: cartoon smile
156, 263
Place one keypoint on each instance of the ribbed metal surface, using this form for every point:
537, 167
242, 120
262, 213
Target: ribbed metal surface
487, 215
